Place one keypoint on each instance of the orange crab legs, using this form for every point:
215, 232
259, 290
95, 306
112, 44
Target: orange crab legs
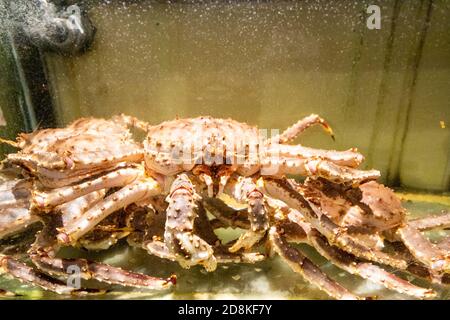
354, 265
340, 166
289, 225
205, 230
16, 217
178, 236
14, 207
131, 193
301, 264
27, 274
336, 235
245, 190
382, 206
441, 221
43, 254
376, 208
349, 158
44, 250
117, 178
316, 167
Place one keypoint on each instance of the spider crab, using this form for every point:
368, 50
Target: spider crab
78, 177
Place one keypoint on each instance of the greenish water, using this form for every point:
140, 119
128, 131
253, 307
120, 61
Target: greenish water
270, 279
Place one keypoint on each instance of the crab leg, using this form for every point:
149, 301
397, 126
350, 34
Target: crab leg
301, 264
224, 174
292, 132
203, 228
227, 215
74, 209
45, 247
58, 179
336, 235
317, 167
417, 268
209, 183
13, 220
27, 274
100, 161
112, 179
206, 232
217, 224
131, 193
349, 158
159, 249
346, 261
239, 257
246, 191
432, 222
14, 207
365, 270
99, 271
293, 233
421, 271
423, 250
178, 236
7, 185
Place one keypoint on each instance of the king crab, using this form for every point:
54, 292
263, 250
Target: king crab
85, 173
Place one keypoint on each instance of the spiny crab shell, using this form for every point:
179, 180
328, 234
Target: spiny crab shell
202, 140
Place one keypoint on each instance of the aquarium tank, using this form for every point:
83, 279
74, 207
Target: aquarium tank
98, 97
